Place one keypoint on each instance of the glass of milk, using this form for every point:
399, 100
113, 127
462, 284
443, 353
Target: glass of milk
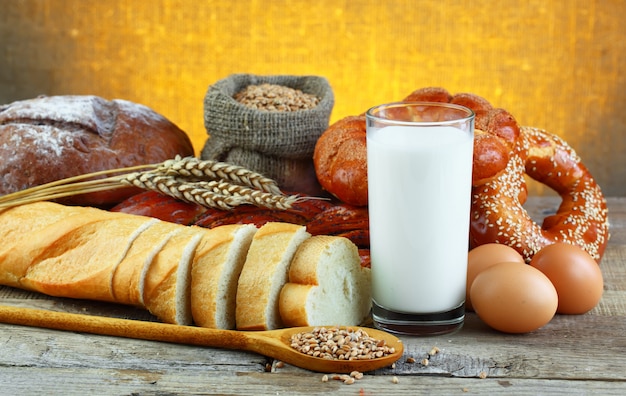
419, 159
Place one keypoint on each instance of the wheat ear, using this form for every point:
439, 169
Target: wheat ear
190, 167
208, 183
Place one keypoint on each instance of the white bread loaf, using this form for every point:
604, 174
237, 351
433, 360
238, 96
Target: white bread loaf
215, 272
327, 285
200, 284
264, 274
76, 267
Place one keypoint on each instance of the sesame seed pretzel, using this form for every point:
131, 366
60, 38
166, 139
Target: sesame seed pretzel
498, 214
504, 154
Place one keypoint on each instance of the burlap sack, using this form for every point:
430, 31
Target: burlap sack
279, 145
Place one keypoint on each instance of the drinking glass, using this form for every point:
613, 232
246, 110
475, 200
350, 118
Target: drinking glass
419, 158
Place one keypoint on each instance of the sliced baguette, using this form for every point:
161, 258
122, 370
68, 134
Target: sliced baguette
264, 274
215, 272
327, 285
167, 280
226, 277
127, 278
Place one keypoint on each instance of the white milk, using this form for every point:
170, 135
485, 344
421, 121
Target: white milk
419, 238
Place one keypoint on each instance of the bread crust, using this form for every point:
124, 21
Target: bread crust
19, 224
127, 279
88, 253
293, 304
340, 159
74, 266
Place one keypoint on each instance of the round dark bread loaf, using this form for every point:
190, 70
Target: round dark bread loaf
54, 137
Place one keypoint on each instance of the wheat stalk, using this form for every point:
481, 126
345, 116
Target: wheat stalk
193, 167
208, 183
220, 194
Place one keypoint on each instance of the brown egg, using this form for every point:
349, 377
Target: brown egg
514, 297
575, 275
484, 256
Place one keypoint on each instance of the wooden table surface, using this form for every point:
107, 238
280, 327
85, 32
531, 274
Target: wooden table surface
582, 354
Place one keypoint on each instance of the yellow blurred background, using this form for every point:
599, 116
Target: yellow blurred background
553, 64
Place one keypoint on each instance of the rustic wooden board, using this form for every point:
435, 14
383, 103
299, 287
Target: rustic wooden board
169, 382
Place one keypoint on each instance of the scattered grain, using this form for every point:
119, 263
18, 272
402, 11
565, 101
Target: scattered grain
345, 378
349, 381
356, 375
434, 350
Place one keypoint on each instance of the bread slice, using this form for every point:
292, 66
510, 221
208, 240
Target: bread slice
167, 280
127, 278
215, 272
327, 285
264, 274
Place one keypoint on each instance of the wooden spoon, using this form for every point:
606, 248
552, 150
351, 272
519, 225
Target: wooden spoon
272, 343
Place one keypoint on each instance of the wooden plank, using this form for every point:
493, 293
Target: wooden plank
33, 347
21, 380
581, 347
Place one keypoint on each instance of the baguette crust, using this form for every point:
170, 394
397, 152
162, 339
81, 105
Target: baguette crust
327, 285
89, 253
43, 220
73, 266
265, 273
